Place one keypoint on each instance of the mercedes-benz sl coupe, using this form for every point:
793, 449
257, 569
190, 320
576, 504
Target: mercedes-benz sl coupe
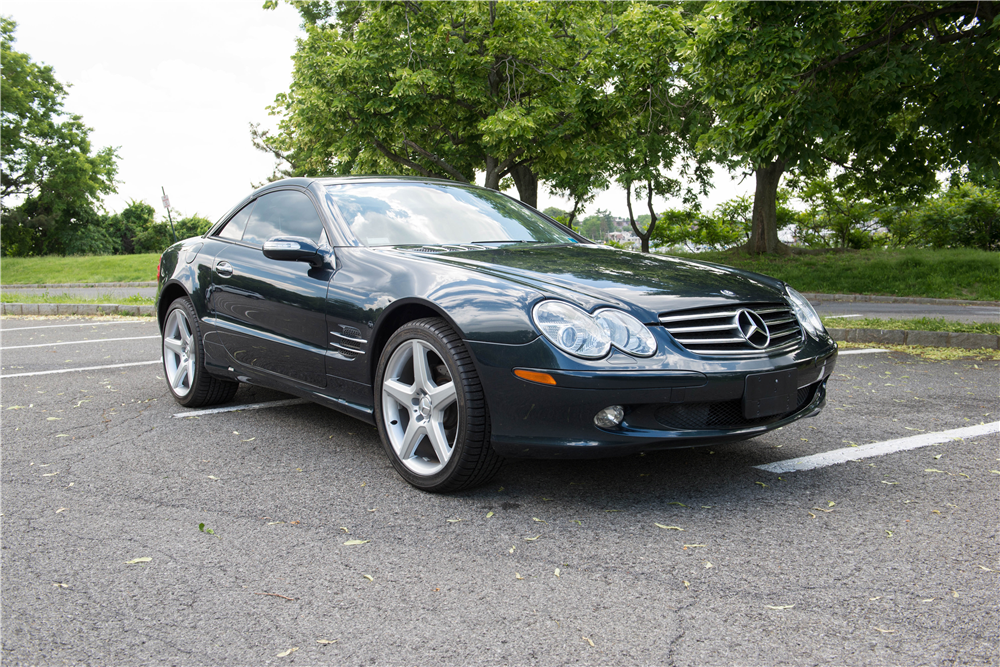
469, 327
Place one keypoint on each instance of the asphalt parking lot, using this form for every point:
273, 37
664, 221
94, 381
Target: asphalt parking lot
282, 535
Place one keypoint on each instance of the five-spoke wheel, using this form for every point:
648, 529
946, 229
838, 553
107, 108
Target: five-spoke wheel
183, 356
431, 411
178, 355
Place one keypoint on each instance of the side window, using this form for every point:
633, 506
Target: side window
234, 228
283, 213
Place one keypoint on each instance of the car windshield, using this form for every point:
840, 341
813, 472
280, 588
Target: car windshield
430, 214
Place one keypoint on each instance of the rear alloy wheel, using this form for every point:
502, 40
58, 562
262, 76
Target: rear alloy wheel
183, 356
431, 410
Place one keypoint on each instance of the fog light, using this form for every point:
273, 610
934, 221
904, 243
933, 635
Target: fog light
610, 417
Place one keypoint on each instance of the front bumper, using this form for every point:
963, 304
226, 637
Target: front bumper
682, 402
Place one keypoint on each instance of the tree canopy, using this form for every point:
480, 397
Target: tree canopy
50, 180
444, 89
885, 92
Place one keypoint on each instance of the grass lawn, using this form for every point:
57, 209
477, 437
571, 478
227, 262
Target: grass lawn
939, 274
79, 269
18, 296
916, 324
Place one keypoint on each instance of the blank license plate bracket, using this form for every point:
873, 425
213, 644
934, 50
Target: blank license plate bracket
769, 394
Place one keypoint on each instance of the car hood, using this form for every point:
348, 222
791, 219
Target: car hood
591, 275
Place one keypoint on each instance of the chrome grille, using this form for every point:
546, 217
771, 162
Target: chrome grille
715, 331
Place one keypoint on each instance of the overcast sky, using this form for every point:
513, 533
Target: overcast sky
175, 85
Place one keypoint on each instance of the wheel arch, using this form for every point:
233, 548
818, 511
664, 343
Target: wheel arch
395, 317
170, 293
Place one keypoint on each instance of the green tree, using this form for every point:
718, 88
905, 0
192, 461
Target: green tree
596, 226
660, 114
963, 216
841, 217
124, 227
677, 228
50, 182
443, 89
886, 92
156, 236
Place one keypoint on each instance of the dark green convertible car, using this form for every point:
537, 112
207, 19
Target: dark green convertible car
469, 327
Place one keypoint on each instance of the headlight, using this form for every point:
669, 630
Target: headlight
591, 336
805, 312
571, 330
626, 333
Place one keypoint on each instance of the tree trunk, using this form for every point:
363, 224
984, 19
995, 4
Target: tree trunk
573, 213
652, 217
764, 224
643, 238
493, 173
527, 184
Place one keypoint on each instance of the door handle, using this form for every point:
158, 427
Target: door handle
224, 269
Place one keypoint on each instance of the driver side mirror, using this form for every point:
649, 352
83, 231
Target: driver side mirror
294, 249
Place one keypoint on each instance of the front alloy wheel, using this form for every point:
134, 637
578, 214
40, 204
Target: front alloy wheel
431, 411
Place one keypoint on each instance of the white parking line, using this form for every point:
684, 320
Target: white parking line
878, 449
77, 342
841, 317
248, 406
85, 324
76, 370
872, 351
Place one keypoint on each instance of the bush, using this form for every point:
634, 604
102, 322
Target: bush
157, 237
124, 227
967, 216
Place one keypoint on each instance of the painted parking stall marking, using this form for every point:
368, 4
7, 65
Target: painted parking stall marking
878, 449
82, 324
248, 406
77, 370
77, 342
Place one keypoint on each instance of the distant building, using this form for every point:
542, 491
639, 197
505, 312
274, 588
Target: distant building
626, 238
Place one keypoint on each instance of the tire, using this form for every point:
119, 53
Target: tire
431, 410
184, 358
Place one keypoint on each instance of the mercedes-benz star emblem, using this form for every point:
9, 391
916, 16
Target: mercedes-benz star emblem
753, 328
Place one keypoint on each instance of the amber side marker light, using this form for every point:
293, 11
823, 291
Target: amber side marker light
535, 376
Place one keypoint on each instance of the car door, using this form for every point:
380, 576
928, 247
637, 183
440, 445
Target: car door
270, 314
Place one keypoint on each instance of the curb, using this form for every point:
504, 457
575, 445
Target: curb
74, 309
814, 297
969, 341
148, 283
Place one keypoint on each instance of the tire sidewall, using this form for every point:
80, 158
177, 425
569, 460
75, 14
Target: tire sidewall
421, 330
